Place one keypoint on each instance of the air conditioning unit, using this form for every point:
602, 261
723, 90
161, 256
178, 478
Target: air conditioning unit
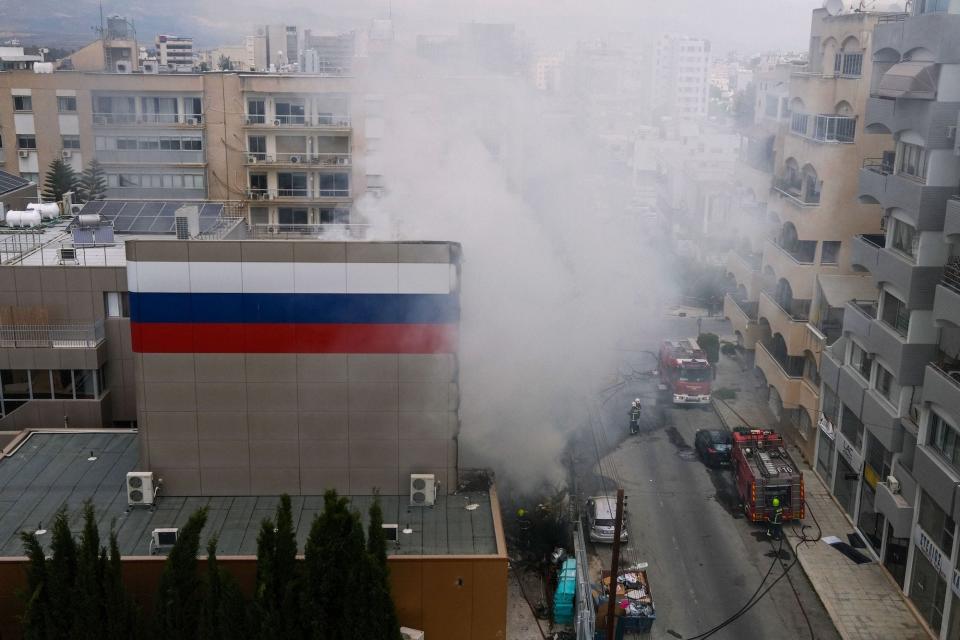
251, 159
67, 254
268, 158
276, 122
192, 121
66, 153
893, 484
23, 153
294, 159
391, 532
411, 634
423, 489
140, 488
163, 539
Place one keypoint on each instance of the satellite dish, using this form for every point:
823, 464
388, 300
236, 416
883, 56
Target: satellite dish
834, 7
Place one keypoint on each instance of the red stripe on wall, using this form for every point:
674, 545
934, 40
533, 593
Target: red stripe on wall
159, 337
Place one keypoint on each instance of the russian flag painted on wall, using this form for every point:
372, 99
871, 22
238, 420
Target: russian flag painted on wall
292, 307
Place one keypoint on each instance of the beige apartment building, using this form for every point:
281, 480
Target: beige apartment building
802, 278
280, 148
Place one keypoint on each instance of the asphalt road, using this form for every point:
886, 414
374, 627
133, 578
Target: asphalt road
705, 560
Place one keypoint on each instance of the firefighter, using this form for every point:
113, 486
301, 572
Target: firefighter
635, 417
775, 523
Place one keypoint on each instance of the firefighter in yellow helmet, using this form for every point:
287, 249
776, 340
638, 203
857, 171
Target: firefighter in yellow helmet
775, 523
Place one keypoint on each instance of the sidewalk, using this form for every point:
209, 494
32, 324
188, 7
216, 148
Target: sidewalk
862, 600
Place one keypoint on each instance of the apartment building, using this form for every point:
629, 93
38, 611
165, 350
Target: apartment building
175, 53
888, 443
804, 275
279, 147
681, 76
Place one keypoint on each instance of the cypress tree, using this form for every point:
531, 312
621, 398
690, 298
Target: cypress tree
89, 614
277, 589
122, 614
224, 610
383, 613
179, 601
93, 182
36, 597
62, 578
60, 178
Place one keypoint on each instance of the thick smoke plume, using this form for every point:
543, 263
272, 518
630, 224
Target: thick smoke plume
555, 271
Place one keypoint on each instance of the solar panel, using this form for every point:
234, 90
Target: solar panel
153, 216
10, 183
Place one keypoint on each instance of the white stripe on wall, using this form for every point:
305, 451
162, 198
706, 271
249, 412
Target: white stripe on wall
288, 277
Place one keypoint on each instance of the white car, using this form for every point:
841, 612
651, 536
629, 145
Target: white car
601, 516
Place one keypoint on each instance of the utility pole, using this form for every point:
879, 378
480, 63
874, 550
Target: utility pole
615, 567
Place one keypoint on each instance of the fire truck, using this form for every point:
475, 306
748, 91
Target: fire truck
684, 371
762, 471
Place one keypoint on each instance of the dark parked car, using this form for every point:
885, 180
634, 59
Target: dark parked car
713, 446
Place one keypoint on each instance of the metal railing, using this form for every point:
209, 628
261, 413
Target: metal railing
749, 308
67, 336
15, 245
804, 253
794, 193
951, 275
150, 155
951, 375
321, 159
294, 231
304, 194
867, 308
586, 617
877, 240
792, 369
191, 119
221, 228
799, 310
883, 166
892, 17
334, 121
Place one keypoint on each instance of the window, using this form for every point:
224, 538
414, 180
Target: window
932, 6
192, 144
852, 428
292, 184
63, 384
16, 384
887, 385
290, 112
66, 104
860, 360
258, 182
905, 238
126, 143
944, 439
335, 184
148, 144
936, 523
70, 142
334, 215
84, 383
116, 304
257, 146
26, 142
170, 144
291, 216
22, 103
40, 384
848, 64
256, 112
911, 160
829, 252
32, 177
895, 314
259, 215
798, 123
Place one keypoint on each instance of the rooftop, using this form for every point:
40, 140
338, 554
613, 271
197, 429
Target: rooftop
48, 469
10, 183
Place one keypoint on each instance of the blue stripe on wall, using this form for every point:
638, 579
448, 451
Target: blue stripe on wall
340, 308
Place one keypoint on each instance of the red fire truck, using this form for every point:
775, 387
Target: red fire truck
684, 371
762, 471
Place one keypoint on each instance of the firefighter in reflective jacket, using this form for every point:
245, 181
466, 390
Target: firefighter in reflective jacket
775, 524
635, 417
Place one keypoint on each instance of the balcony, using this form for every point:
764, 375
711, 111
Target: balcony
882, 420
149, 119
743, 319
823, 128
795, 194
929, 119
907, 360
793, 265
777, 376
924, 204
299, 195
149, 156
320, 121
899, 270
757, 180
315, 160
864, 249
934, 32
894, 507
55, 336
937, 477
942, 387
951, 221
745, 269
334, 231
946, 301
791, 324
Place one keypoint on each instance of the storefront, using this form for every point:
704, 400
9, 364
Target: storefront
849, 464
928, 588
876, 467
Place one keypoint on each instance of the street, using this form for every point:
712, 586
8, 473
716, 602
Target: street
705, 560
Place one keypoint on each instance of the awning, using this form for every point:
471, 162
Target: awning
910, 80
838, 290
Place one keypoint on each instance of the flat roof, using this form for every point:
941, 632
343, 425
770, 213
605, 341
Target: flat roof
38, 246
48, 469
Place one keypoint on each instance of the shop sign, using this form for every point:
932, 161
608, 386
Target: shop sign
849, 452
939, 560
826, 426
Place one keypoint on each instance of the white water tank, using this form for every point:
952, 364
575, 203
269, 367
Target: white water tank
23, 219
48, 210
43, 67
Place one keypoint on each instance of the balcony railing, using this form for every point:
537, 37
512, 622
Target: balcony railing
292, 231
67, 336
273, 194
802, 254
790, 366
866, 307
191, 119
877, 240
952, 375
150, 156
334, 121
794, 193
316, 159
748, 307
798, 311
883, 166
951, 275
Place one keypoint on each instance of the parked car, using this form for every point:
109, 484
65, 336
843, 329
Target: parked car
601, 517
713, 446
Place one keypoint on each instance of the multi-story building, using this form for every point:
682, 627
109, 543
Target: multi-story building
888, 444
280, 46
14, 59
280, 147
175, 52
681, 76
804, 274
116, 50
328, 53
